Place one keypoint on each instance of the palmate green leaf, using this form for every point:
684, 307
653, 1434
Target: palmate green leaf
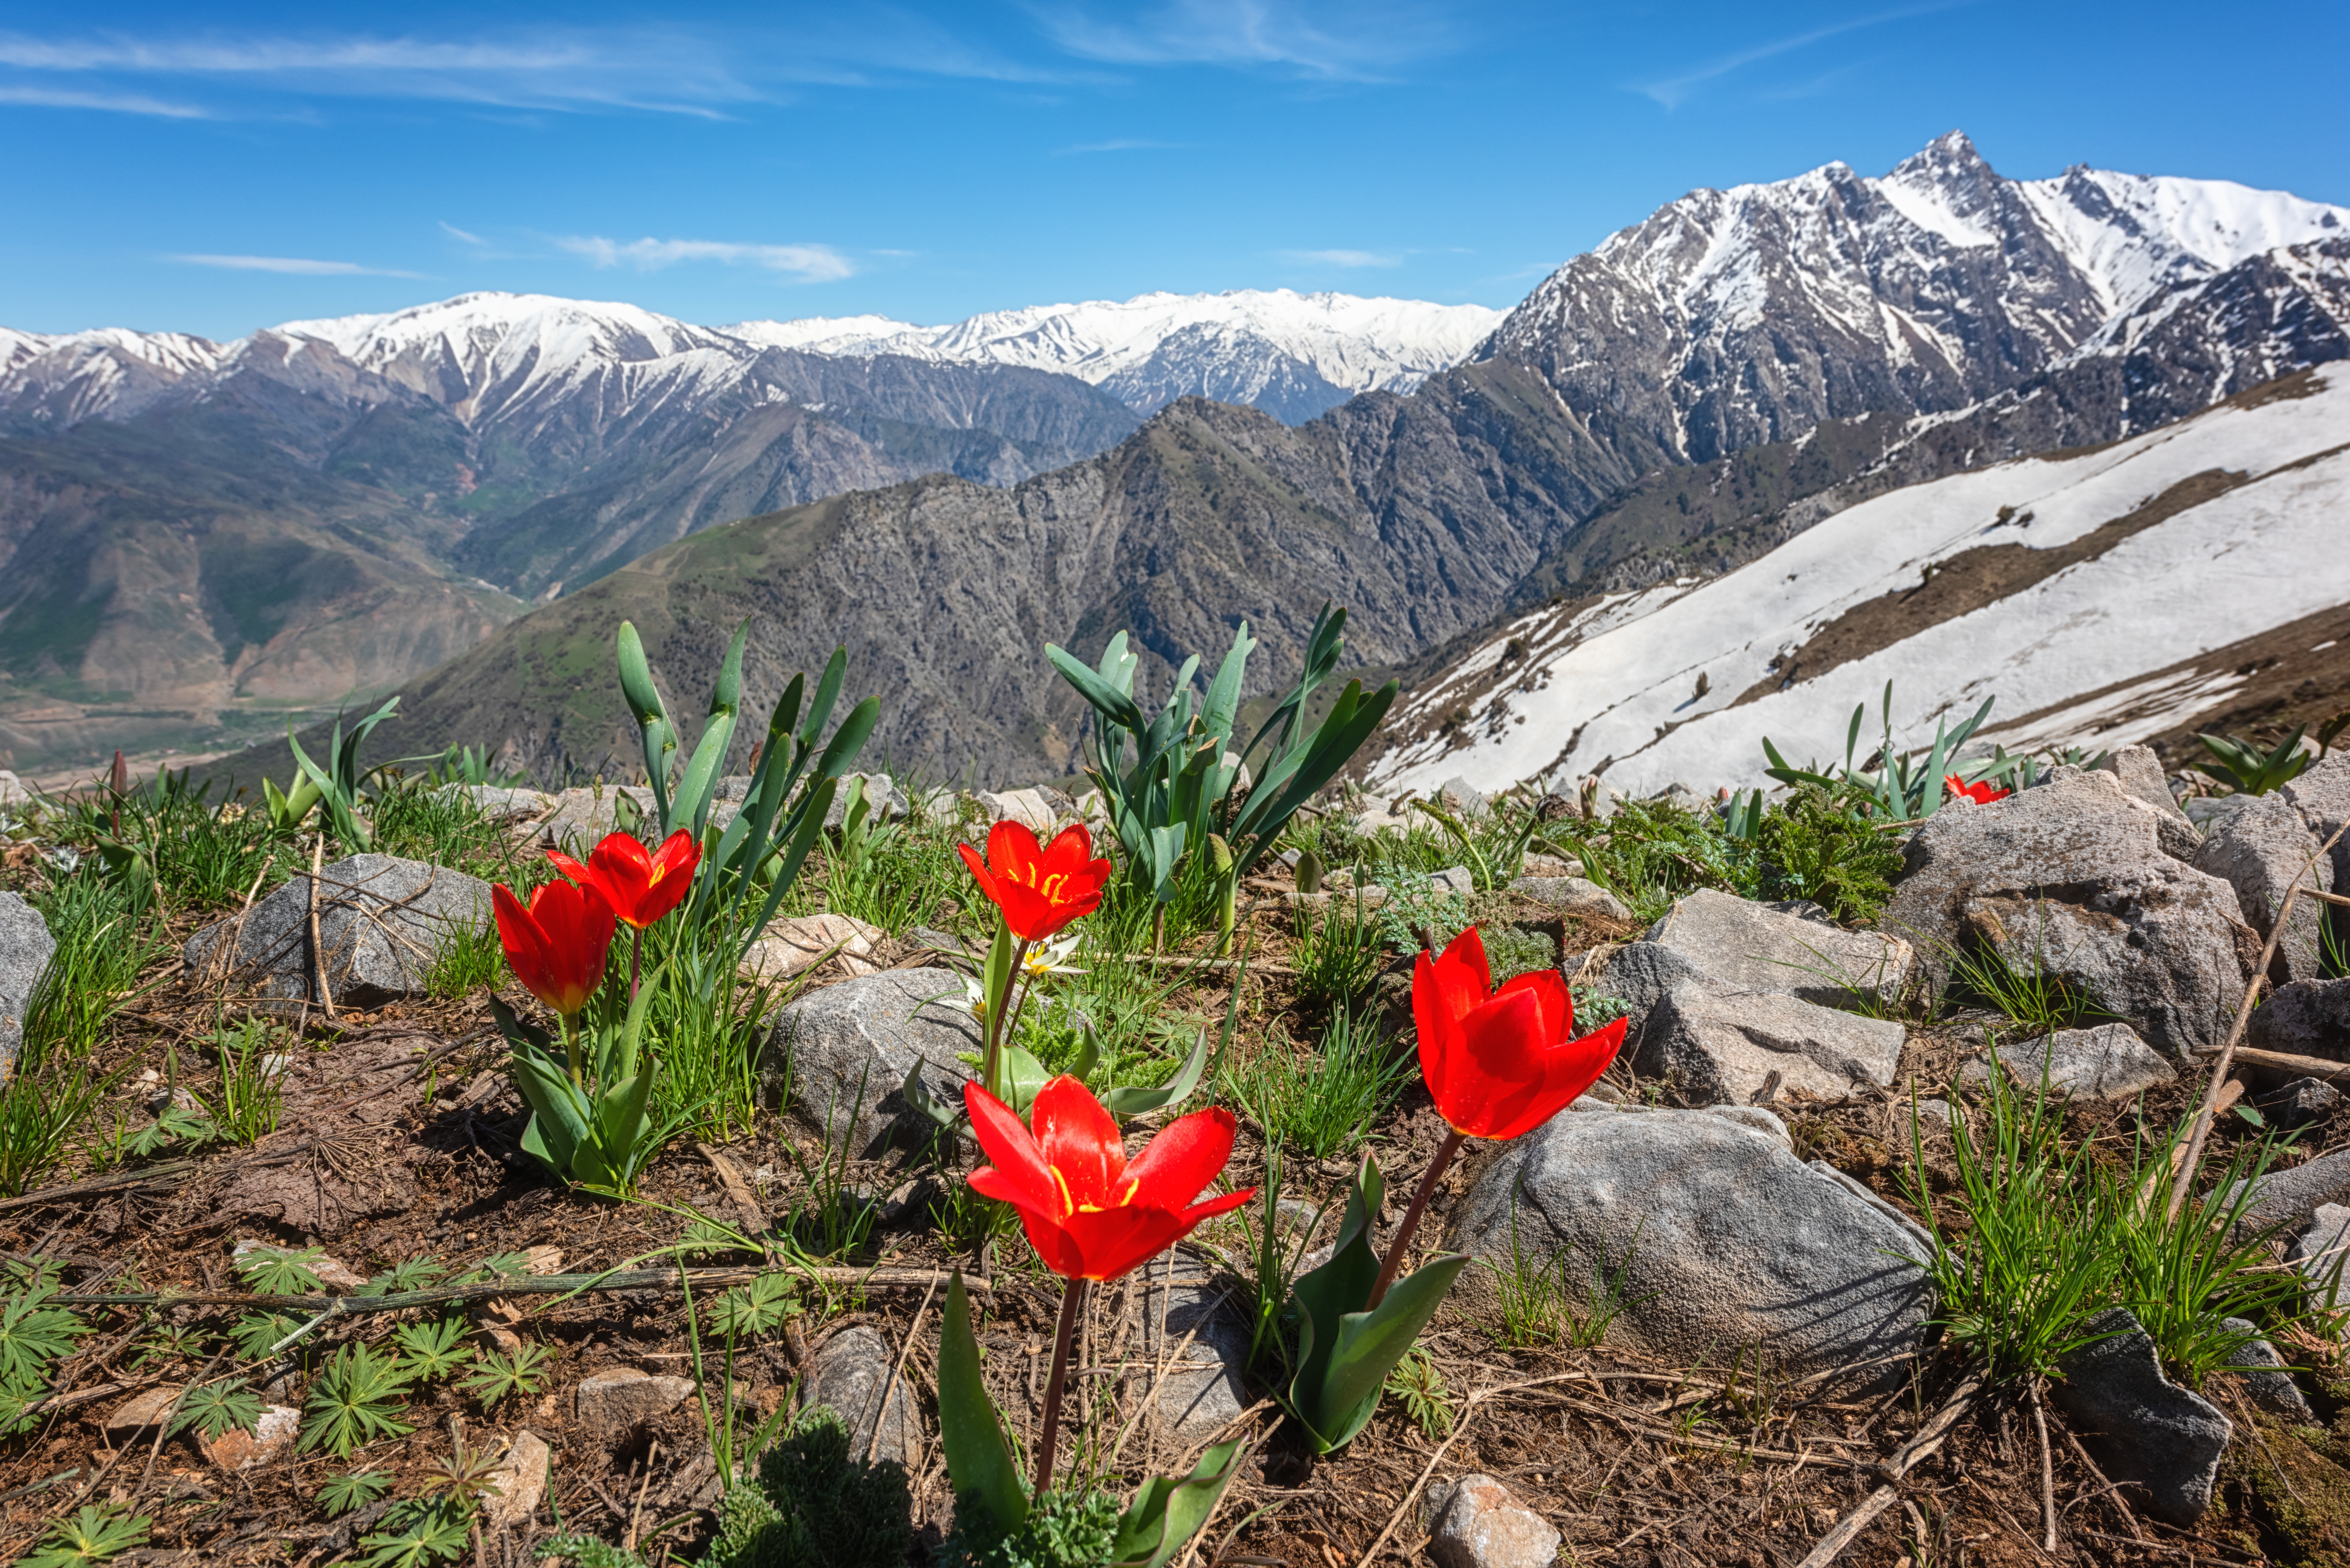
434, 1350
357, 1399
283, 1272
979, 1458
1168, 1512
354, 1489
91, 1536
216, 1407
256, 1332
497, 1375
420, 1532
32, 1333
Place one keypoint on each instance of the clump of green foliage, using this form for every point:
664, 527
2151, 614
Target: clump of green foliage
816, 1505
34, 1334
1065, 1530
1653, 852
1324, 1104
1811, 847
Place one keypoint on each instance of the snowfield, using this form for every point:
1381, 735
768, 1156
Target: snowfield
1609, 690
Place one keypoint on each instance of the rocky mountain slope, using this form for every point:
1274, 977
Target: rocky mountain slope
2178, 579
1292, 355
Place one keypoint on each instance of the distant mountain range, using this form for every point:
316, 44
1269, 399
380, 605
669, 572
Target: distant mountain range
414, 479
1686, 396
1695, 392
1292, 355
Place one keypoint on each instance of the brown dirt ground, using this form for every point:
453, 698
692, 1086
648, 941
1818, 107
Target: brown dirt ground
398, 1139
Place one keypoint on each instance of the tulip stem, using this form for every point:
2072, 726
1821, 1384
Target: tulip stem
636, 958
1396, 1249
998, 1008
1073, 1295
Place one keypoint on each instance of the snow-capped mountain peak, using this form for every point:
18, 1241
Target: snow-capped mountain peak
1233, 346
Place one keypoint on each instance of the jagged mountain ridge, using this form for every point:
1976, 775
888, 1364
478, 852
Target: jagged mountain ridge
1292, 355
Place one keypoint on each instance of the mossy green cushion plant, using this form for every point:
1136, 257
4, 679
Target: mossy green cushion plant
815, 1505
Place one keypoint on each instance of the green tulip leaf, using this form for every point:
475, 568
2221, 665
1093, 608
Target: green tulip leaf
1167, 1512
917, 1095
1024, 1077
1325, 1296
1136, 1102
979, 1458
1369, 1343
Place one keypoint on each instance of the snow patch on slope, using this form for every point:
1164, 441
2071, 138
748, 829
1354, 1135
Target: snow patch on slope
1611, 689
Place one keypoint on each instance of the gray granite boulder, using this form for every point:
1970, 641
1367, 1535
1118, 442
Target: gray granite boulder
1193, 1329
885, 801
26, 948
2319, 1253
2289, 1200
1738, 945
2139, 771
1573, 895
14, 795
2260, 852
1722, 1047
578, 819
852, 1372
2306, 1018
2267, 1377
2069, 878
2107, 1062
1726, 1241
2301, 1101
2159, 1443
2321, 796
840, 1056
382, 922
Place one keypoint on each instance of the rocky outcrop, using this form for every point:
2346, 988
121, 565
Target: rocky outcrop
2261, 851
2069, 880
1716, 1048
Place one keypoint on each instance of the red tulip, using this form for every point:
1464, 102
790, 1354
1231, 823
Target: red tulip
1500, 1063
1982, 792
1089, 1214
557, 947
1040, 891
641, 887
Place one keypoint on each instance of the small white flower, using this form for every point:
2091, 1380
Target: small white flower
1051, 958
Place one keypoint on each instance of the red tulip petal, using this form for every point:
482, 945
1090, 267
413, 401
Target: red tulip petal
568, 866
1071, 849
1498, 1070
980, 873
1468, 949
1009, 1144
1115, 1241
1177, 1165
1029, 914
1551, 995
1063, 1252
1081, 1143
1215, 1206
1013, 851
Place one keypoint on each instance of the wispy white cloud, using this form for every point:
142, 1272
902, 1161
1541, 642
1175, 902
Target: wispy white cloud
302, 266
810, 263
114, 102
1341, 258
1365, 40
679, 69
1122, 145
451, 229
1675, 91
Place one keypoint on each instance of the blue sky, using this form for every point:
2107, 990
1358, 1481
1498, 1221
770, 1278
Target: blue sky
212, 168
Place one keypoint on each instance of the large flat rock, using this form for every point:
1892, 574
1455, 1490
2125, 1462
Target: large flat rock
2069, 878
1738, 945
1721, 1048
1727, 1241
381, 925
